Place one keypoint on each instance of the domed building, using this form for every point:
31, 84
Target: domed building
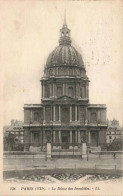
65, 118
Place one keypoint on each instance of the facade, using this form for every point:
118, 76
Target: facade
65, 117
15, 128
114, 131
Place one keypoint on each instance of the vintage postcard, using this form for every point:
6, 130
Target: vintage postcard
62, 89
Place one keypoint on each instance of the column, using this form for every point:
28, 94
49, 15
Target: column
40, 137
83, 92
89, 137
43, 137
70, 113
43, 90
31, 138
44, 113
79, 137
86, 116
70, 136
76, 91
51, 117
76, 136
50, 90
87, 91
60, 136
31, 117
53, 91
98, 116
53, 136
59, 113
63, 89
54, 114
76, 111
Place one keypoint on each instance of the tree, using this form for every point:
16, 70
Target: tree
11, 143
116, 145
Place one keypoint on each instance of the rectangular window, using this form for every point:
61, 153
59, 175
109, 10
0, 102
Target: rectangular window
48, 113
47, 90
59, 91
70, 91
36, 135
81, 93
57, 112
36, 116
73, 112
93, 116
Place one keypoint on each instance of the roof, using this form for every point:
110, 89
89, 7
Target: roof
32, 106
65, 55
97, 106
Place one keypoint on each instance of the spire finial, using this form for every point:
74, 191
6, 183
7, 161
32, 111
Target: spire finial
65, 18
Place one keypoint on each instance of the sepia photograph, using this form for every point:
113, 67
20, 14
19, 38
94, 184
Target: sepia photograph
62, 97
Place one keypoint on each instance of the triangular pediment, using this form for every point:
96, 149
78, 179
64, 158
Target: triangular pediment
65, 97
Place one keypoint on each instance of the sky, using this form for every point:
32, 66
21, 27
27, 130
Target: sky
29, 31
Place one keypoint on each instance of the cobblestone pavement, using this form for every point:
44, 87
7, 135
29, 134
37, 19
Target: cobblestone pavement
65, 178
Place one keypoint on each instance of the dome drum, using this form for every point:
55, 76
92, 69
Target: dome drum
69, 71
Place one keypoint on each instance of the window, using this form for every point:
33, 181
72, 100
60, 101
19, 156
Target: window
47, 90
57, 112
59, 91
36, 135
93, 116
84, 91
70, 91
36, 116
73, 112
81, 93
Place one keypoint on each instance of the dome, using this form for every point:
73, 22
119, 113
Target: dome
64, 55
65, 60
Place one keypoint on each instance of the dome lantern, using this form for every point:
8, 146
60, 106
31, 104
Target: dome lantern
65, 34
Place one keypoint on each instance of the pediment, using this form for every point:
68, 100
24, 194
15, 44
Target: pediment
64, 98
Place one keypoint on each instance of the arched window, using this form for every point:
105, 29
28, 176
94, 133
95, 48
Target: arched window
70, 91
